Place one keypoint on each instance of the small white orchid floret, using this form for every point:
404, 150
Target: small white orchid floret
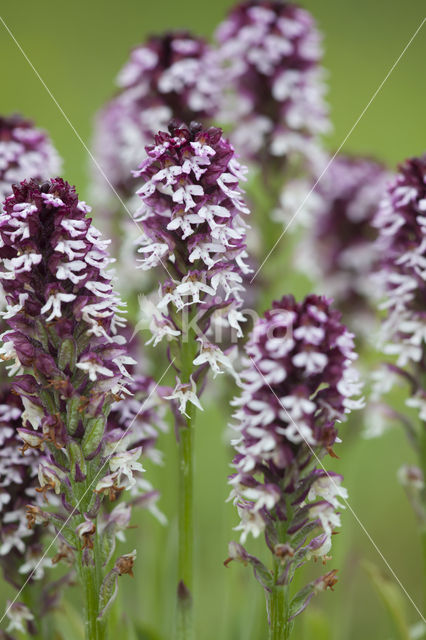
53, 304
94, 368
185, 392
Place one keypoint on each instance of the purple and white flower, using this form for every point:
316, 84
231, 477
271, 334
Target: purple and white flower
338, 250
18, 481
193, 232
286, 423
65, 333
401, 245
271, 52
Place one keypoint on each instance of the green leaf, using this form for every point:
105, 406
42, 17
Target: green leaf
175, 353
391, 596
73, 414
261, 573
301, 600
238, 553
48, 401
107, 593
83, 340
41, 334
67, 356
53, 336
93, 435
76, 457
68, 534
61, 458
108, 542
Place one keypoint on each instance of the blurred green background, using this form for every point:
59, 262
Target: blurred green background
78, 47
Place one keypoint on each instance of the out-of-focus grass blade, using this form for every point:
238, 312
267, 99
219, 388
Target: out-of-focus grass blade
316, 624
391, 597
143, 633
67, 617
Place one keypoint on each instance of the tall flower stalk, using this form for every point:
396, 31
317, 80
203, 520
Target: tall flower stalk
401, 244
69, 366
298, 382
194, 235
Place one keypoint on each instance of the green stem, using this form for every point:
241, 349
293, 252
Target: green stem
184, 625
90, 575
423, 502
279, 626
423, 542
90, 593
186, 533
